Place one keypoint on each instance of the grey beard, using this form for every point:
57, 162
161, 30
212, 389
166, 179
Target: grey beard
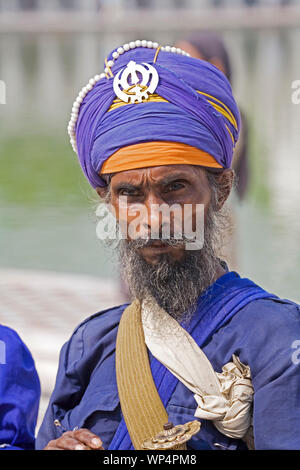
176, 286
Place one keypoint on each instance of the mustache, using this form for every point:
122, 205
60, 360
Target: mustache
171, 241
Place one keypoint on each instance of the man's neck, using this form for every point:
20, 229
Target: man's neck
220, 271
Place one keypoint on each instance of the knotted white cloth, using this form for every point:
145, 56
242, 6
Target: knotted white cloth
224, 398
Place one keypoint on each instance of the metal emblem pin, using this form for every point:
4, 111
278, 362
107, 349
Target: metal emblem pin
136, 82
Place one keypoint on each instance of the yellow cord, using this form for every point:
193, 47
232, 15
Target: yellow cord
156, 54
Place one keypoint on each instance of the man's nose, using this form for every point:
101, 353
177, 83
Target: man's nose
155, 221
151, 219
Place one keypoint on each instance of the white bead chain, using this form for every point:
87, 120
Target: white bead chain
92, 82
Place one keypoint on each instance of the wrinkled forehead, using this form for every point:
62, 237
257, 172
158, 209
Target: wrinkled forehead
157, 174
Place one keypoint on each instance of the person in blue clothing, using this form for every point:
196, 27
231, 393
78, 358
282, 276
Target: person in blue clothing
19, 393
198, 342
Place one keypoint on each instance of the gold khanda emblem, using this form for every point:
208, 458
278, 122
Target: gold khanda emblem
136, 82
173, 437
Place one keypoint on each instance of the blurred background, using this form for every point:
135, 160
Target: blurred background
54, 272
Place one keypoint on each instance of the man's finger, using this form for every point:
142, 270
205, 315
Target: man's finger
67, 442
88, 438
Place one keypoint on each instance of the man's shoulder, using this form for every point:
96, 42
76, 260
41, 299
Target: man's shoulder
11, 338
91, 337
8, 332
275, 308
106, 319
269, 315
98, 325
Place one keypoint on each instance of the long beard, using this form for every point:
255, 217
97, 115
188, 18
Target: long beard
176, 286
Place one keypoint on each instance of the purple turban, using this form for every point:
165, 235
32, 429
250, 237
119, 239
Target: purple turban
195, 106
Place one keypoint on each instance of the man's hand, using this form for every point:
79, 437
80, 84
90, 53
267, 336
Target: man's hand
82, 439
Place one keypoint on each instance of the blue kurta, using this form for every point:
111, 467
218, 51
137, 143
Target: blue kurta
263, 334
19, 393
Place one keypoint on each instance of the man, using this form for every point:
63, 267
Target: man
198, 342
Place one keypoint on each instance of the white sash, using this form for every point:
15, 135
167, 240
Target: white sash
224, 398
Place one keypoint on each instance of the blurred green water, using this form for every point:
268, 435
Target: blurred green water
38, 170
47, 209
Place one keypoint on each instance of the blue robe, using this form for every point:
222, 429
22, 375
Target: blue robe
263, 334
19, 393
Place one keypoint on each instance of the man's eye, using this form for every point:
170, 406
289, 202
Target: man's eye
175, 186
128, 192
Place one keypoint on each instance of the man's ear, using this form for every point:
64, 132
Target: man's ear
102, 191
225, 183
